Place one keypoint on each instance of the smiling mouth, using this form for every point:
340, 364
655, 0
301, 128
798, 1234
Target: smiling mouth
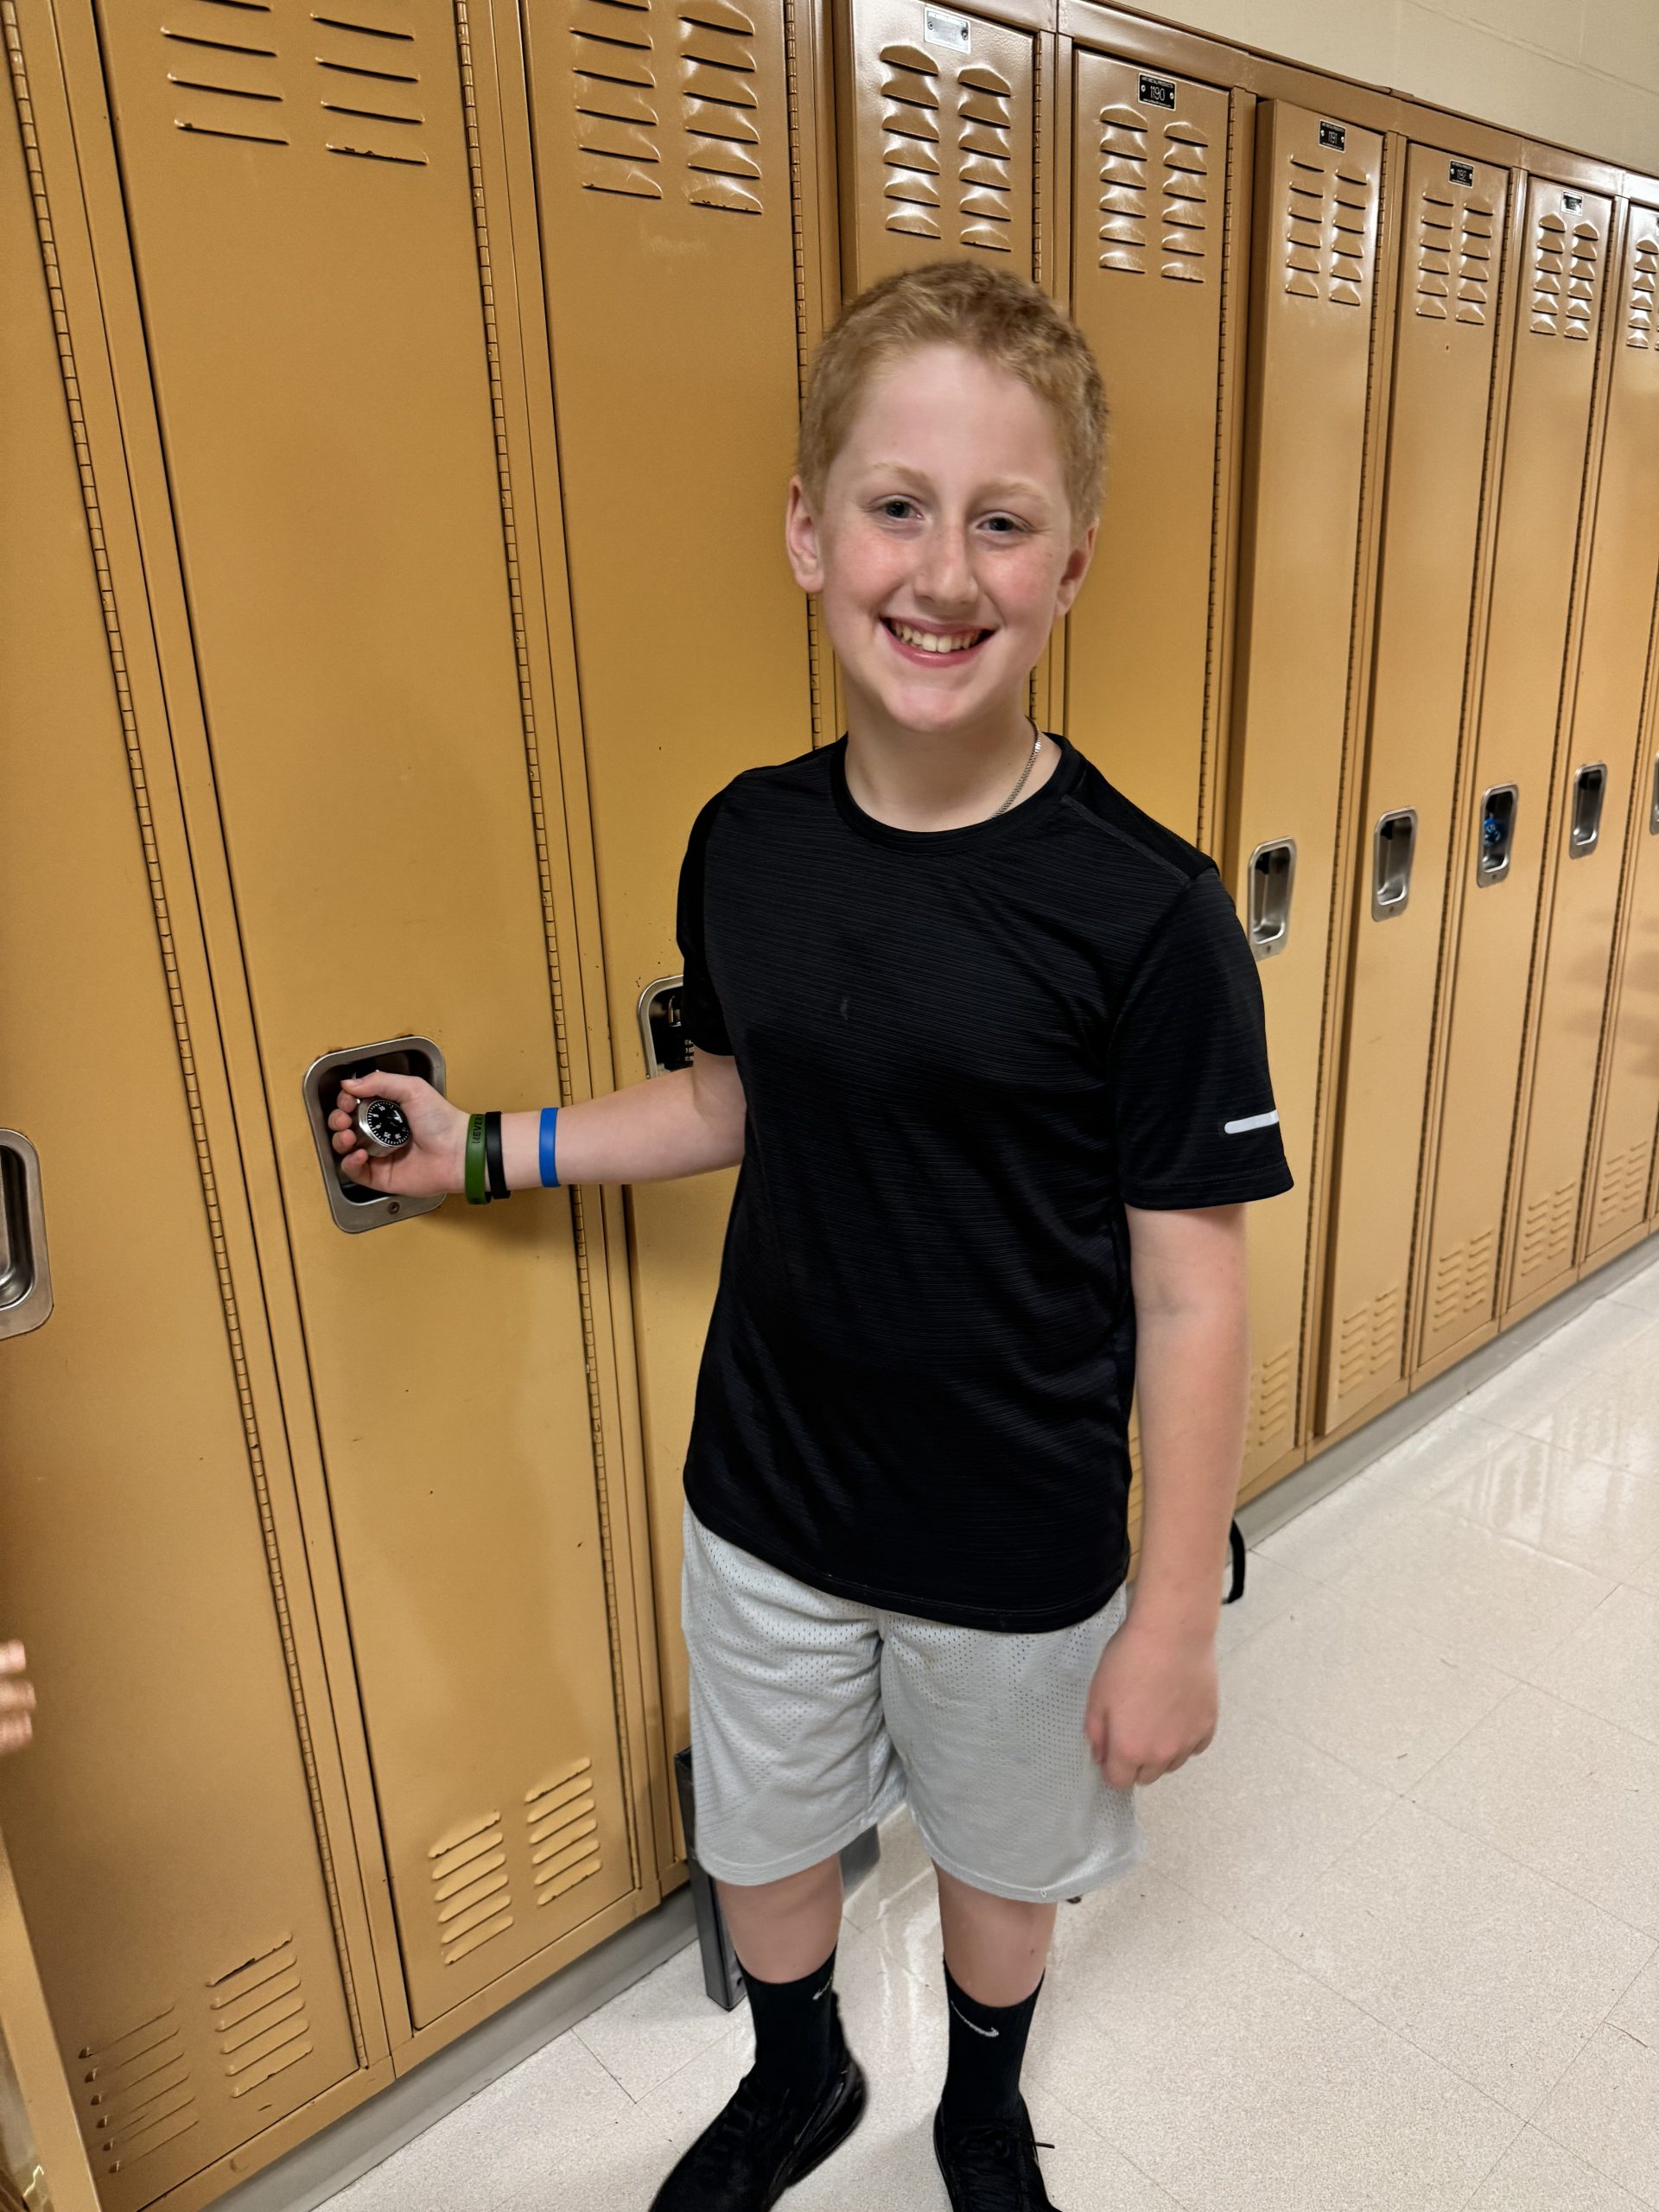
941, 643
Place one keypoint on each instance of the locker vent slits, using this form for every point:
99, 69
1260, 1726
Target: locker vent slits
562, 1819
1623, 1188
1369, 1342
1463, 1284
219, 64
1563, 277
1271, 1426
617, 119
470, 1893
366, 118
1547, 1230
1186, 162
910, 126
1645, 284
138, 2092
1327, 220
717, 96
1454, 254
259, 2019
985, 137
1123, 190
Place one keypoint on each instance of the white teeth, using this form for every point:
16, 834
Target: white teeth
927, 642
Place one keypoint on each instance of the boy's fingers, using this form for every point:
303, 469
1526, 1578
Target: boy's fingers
379, 1084
13, 1659
13, 1732
16, 1697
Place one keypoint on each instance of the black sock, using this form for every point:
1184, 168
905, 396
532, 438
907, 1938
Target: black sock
797, 2032
988, 2046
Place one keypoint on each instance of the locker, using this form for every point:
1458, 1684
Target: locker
1149, 170
1551, 376
167, 1824
939, 152
316, 260
1594, 801
1319, 184
1623, 1151
691, 639
40, 2153
1453, 215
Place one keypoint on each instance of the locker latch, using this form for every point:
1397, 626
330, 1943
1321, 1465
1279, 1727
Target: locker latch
1497, 810
1271, 875
1653, 817
1589, 789
353, 1207
25, 1273
662, 1025
1393, 847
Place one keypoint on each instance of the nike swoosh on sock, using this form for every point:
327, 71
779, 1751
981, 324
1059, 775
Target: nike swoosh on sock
973, 2025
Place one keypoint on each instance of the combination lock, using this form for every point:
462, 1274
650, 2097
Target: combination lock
382, 1126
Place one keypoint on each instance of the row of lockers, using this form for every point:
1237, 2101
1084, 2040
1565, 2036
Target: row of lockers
399, 405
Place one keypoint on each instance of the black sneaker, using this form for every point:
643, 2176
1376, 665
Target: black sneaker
763, 2143
992, 2166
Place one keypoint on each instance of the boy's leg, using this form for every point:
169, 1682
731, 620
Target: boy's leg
784, 1934
995, 1950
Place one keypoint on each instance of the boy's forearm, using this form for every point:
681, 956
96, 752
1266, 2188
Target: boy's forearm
645, 1134
1192, 1386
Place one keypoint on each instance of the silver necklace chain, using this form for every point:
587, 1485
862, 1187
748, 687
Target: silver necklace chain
1030, 762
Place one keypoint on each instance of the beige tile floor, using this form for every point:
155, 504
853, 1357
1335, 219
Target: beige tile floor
1394, 1946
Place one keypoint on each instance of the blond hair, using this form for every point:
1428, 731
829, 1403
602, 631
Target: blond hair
989, 312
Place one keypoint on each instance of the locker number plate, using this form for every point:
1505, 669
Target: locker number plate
1157, 92
941, 28
1333, 134
1463, 173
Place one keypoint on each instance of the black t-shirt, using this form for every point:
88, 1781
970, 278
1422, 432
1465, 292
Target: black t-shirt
963, 1051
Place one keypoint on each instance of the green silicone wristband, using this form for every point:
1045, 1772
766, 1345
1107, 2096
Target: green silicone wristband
475, 1170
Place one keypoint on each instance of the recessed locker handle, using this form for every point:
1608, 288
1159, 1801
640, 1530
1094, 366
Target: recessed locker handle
1589, 789
662, 1025
1272, 879
1498, 806
1653, 815
1394, 848
354, 1207
25, 1271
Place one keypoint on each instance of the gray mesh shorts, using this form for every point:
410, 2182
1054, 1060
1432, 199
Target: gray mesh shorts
813, 1717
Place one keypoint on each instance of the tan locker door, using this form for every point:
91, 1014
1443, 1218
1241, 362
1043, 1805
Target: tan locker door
1607, 731
1551, 381
1443, 339
938, 140
317, 322
164, 1834
40, 2149
1149, 170
691, 638
1629, 1107
1318, 188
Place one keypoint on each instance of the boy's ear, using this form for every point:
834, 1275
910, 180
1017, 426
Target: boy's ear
800, 539
1076, 568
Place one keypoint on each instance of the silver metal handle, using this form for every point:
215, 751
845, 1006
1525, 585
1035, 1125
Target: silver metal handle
353, 1207
662, 1025
1653, 815
1498, 807
1272, 876
25, 1271
1394, 848
1589, 789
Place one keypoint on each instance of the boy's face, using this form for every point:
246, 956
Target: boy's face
943, 549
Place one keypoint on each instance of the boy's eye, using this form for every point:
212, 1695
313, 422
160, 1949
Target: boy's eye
1004, 525
896, 509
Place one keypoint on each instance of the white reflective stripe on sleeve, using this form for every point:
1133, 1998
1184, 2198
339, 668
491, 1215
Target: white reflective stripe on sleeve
1250, 1122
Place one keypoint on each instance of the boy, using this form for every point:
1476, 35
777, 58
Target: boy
987, 1042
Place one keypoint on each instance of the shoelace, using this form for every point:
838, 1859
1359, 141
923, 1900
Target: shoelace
994, 2154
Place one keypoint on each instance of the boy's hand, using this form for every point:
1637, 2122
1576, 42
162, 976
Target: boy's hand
17, 1699
1154, 1702
430, 1166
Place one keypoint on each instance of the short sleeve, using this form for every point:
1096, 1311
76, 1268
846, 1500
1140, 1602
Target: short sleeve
704, 1021
1192, 1097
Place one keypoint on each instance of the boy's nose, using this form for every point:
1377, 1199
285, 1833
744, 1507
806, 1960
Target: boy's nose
945, 576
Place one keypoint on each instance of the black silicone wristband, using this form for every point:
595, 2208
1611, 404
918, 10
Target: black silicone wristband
494, 1162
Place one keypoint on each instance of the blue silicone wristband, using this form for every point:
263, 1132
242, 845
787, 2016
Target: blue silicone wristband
550, 1170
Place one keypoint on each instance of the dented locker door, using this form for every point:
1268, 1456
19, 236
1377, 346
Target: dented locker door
694, 662
938, 139
1545, 452
312, 243
1594, 790
168, 1836
1453, 218
1318, 187
1149, 171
